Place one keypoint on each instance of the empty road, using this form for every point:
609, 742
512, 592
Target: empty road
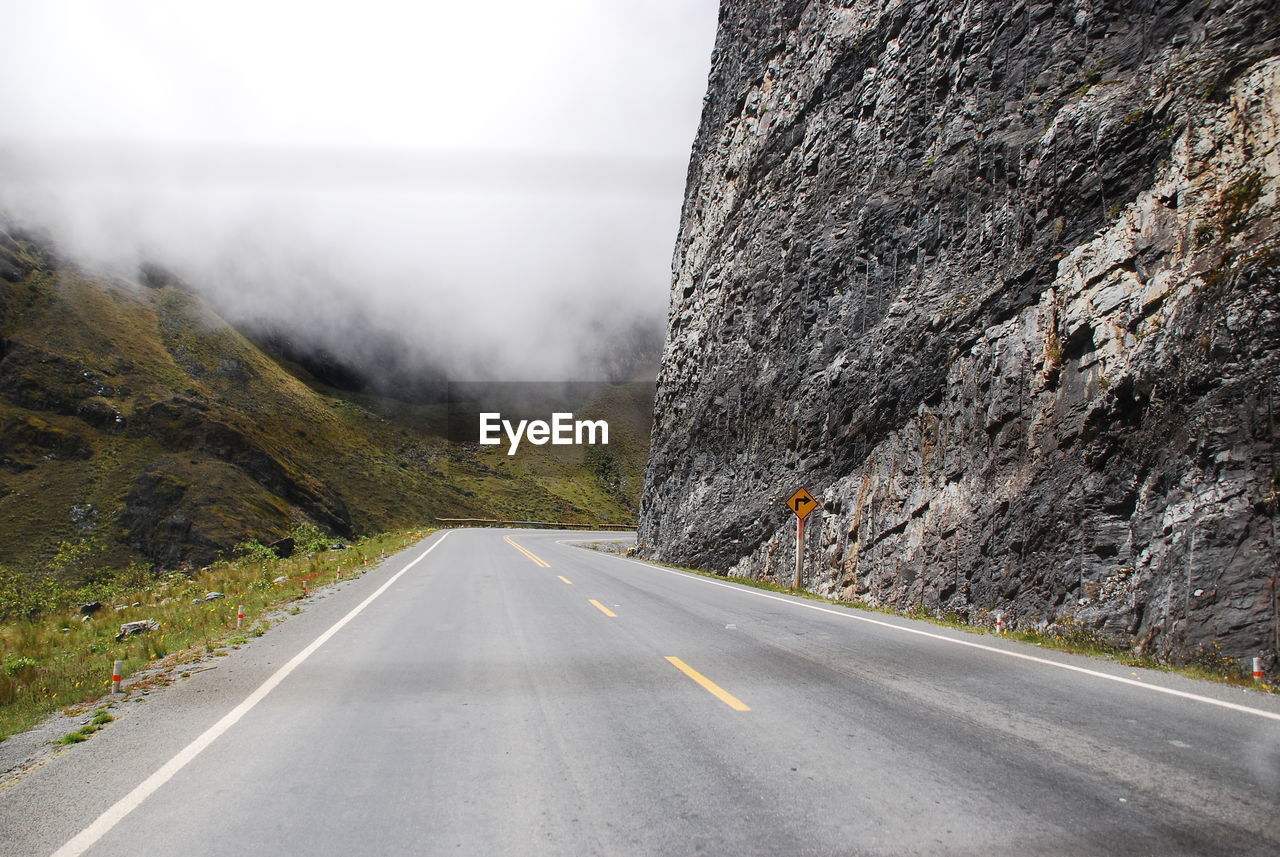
497, 692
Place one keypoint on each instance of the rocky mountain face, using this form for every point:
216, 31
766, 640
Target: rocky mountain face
998, 283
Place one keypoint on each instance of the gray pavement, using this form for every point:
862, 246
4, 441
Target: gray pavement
482, 705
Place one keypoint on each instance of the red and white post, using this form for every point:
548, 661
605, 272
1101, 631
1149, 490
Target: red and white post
116, 676
239, 615
1257, 669
999, 623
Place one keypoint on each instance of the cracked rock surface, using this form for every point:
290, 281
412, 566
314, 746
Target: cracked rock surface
998, 283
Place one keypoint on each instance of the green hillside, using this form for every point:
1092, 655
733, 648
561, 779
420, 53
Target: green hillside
136, 425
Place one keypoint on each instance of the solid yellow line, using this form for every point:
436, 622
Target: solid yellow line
605, 610
710, 686
527, 553
565, 579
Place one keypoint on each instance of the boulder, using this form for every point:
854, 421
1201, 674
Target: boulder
142, 626
283, 547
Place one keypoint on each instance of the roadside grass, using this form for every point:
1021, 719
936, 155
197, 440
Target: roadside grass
101, 718
58, 660
1064, 636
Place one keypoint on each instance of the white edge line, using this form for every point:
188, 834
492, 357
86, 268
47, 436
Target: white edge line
848, 614
86, 838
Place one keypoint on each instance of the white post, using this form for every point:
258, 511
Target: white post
115, 676
239, 615
1257, 669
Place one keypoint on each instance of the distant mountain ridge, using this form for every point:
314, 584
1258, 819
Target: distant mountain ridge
138, 425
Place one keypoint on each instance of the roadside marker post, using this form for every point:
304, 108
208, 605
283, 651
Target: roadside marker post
115, 676
239, 615
999, 623
799, 549
801, 503
1257, 669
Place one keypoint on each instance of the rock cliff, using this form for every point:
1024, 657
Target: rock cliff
998, 283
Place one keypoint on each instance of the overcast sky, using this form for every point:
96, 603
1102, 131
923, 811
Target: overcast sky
496, 183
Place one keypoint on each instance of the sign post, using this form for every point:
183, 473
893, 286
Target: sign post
801, 503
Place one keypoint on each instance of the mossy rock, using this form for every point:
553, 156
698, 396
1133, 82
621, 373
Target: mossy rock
31, 437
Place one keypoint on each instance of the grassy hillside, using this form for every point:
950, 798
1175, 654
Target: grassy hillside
138, 427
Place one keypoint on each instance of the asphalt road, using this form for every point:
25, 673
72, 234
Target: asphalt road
506, 694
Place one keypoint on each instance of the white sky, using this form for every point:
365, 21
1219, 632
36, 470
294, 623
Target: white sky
461, 172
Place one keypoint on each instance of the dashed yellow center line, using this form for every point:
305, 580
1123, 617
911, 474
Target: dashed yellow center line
710, 686
527, 553
605, 610
565, 579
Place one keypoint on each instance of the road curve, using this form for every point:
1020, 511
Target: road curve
502, 692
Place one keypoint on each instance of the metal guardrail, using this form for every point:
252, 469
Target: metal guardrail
551, 525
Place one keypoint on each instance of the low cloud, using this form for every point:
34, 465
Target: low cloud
497, 200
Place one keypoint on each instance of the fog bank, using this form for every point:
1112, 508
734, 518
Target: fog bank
492, 191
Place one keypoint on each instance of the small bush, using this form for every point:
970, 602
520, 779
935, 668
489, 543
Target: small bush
1237, 200
255, 551
25, 596
13, 666
308, 538
137, 576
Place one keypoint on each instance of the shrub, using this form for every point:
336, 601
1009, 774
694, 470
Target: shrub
255, 551
26, 597
136, 576
308, 538
13, 666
